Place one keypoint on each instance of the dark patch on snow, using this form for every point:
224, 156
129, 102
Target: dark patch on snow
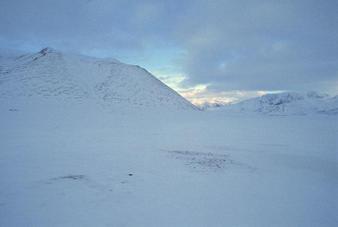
68, 178
333, 111
207, 160
13, 110
201, 160
71, 177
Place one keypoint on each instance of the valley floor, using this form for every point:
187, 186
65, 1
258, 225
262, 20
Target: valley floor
125, 168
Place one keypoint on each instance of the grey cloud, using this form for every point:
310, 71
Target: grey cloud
284, 45
230, 44
83, 24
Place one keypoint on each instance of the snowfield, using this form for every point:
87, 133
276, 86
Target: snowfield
90, 161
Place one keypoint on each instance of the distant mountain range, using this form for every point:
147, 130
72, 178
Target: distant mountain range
51, 74
287, 103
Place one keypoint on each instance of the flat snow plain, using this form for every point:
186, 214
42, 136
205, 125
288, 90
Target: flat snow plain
75, 165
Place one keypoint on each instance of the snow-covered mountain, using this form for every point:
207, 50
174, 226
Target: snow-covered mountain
287, 103
212, 105
50, 73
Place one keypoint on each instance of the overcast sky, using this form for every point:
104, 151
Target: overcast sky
208, 49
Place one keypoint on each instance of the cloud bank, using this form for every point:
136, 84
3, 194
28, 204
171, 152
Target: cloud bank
227, 45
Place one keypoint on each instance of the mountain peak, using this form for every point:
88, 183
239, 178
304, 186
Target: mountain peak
77, 78
288, 103
316, 95
47, 50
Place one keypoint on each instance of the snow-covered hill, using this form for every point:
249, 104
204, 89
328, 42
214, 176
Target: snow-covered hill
287, 103
53, 74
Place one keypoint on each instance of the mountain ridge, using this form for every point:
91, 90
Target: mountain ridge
285, 103
51, 73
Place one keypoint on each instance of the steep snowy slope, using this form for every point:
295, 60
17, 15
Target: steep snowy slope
50, 73
288, 103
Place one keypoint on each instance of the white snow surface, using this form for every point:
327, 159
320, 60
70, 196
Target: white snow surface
68, 160
287, 103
